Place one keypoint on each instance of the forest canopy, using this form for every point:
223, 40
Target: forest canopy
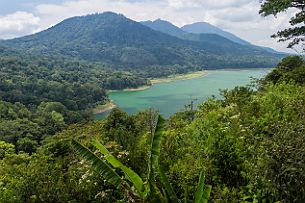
249, 145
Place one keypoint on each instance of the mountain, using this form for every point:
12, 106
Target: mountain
206, 28
170, 29
125, 44
193, 32
5, 51
165, 27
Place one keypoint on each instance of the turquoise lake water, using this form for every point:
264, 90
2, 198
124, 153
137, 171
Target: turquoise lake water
171, 97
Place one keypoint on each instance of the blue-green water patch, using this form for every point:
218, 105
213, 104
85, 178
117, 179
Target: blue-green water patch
171, 97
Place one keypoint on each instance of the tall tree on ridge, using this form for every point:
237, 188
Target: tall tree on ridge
296, 33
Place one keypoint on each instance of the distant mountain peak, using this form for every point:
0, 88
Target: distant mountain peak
159, 20
97, 16
207, 28
106, 13
195, 32
164, 26
201, 23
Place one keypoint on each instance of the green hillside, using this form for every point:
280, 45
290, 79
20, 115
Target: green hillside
246, 146
114, 39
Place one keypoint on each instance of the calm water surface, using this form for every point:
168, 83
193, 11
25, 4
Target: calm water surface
171, 97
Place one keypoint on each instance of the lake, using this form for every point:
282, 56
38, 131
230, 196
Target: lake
171, 97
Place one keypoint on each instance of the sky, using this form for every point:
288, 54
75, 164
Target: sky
240, 17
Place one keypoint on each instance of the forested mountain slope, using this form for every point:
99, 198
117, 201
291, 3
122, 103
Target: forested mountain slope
114, 39
201, 30
206, 28
165, 27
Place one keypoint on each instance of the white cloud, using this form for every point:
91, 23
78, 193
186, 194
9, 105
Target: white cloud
18, 23
207, 4
237, 16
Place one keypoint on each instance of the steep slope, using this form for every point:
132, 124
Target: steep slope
124, 43
5, 51
165, 27
203, 27
106, 37
206, 28
170, 29
196, 32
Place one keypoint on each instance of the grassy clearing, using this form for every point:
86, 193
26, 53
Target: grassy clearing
180, 77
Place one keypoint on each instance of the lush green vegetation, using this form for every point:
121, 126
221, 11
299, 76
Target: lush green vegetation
139, 190
76, 84
247, 147
250, 145
125, 44
25, 128
290, 69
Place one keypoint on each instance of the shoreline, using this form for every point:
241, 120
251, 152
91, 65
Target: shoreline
131, 89
104, 108
111, 105
171, 78
178, 77
237, 69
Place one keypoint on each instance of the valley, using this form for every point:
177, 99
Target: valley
105, 107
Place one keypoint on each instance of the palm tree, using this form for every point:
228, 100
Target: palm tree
142, 191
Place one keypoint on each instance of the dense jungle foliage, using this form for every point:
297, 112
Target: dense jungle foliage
250, 146
76, 84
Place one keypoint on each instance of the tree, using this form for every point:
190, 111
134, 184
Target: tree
291, 68
27, 145
6, 149
295, 34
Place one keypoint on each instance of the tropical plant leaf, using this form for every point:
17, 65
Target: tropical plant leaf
168, 187
156, 142
130, 175
154, 154
200, 189
165, 198
155, 195
206, 194
101, 166
186, 194
155, 148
